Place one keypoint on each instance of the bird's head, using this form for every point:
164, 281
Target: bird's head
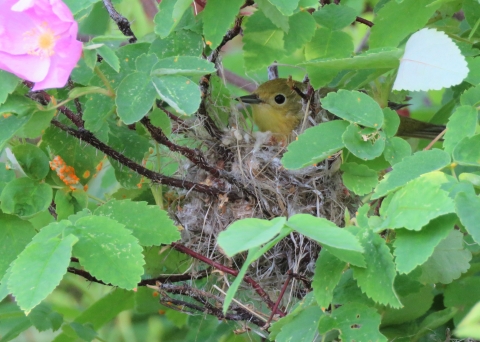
278, 95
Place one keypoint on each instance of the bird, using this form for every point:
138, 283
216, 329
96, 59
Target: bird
278, 108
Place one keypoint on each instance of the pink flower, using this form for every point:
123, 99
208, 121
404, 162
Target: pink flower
38, 41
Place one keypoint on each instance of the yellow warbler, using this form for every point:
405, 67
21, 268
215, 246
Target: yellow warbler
277, 108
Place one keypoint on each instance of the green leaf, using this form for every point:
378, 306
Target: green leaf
148, 223
263, 42
433, 321
8, 83
9, 125
396, 149
44, 264
467, 206
178, 43
108, 251
253, 254
169, 14
355, 321
355, 107
410, 168
376, 280
470, 97
328, 271
340, 242
145, 62
384, 58
326, 44
248, 233
69, 202
218, 16
96, 111
306, 302
470, 325
109, 57
33, 160
347, 291
473, 76
302, 327
15, 234
391, 123
132, 146
467, 151
6, 175
335, 17
272, 13
285, 6
37, 123
462, 294
135, 97
396, 20
18, 104
25, 197
416, 299
183, 65
366, 143
448, 261
359, 178
315, 144
461, 124
418, 202
13, 318
471, 9
179, 92
103, 311
127, 56
83, 158
44, 318
414, 248
302, 29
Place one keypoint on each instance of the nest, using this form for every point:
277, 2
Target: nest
273, 191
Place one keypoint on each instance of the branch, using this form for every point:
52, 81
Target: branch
155, 177
364, 21
202, 297
122, 22
195, 156
228, 270
44, 98
145, 282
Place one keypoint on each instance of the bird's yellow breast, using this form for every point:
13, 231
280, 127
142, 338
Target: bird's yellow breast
275, 121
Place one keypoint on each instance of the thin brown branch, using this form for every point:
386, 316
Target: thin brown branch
195, 156
122, 22
364, 21
155, 177
279, 299
225, 269
203, 297
44, 98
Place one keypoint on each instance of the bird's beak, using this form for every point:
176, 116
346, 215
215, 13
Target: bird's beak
250, 99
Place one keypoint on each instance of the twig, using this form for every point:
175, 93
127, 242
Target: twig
78, 105
228, 270
364, 21
44, 98
122, 22
437, 138
155, 177
163, 278
279, 299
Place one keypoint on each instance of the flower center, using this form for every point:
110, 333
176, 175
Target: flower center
40, 41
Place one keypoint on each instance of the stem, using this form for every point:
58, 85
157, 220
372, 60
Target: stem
105, 81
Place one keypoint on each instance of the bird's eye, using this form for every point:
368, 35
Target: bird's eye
279, 99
